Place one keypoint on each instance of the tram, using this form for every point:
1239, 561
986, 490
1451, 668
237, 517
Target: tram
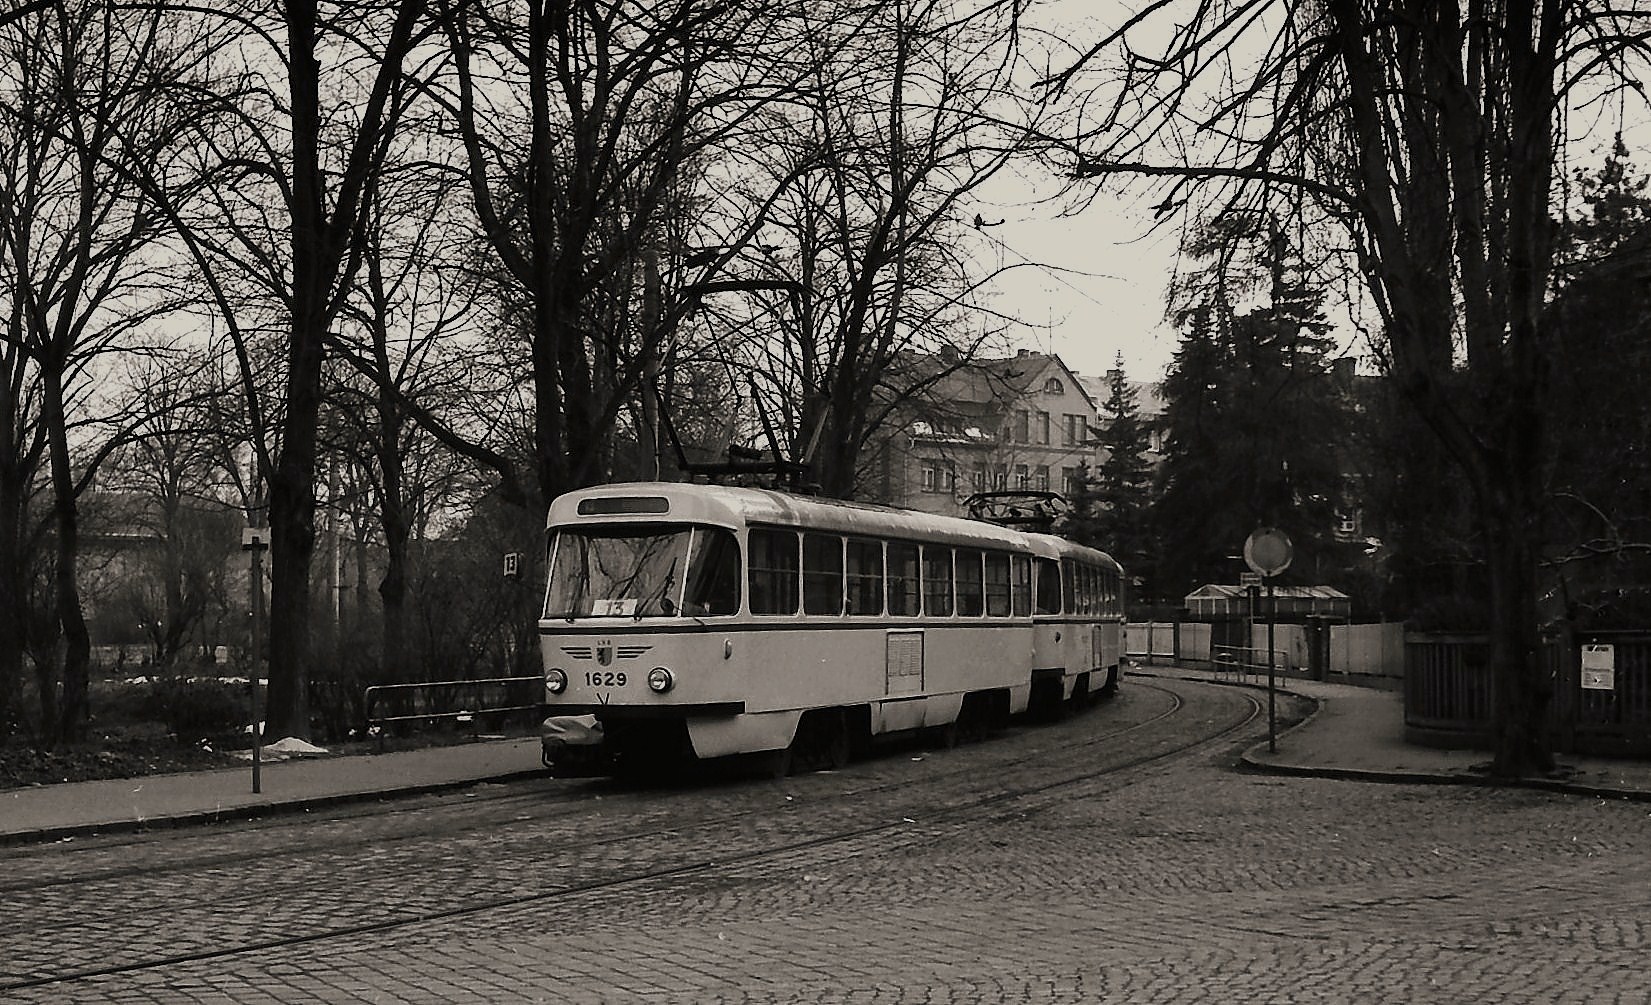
688, 621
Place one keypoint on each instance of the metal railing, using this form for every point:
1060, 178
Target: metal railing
458, 700
1240, 662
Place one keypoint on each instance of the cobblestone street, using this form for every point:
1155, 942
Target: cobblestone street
914, 877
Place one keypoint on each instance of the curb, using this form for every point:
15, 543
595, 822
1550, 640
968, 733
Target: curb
250, 811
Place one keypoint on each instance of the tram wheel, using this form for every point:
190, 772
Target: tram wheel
822, 742
1080, 692
974, 720
948, 736
774, 764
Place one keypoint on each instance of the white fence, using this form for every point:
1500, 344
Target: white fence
1375, 651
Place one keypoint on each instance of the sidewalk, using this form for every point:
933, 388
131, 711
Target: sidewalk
50, 812
1358, 733
1355, 733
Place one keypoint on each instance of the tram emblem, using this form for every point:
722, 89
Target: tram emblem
604, 652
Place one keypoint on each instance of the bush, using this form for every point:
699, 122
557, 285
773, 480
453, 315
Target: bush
196, 710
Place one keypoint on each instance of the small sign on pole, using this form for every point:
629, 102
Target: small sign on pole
512, 564
1267, 552
1599, 667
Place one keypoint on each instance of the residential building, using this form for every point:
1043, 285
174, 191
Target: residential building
1020, 422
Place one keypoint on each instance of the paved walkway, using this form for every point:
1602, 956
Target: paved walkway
1355, 733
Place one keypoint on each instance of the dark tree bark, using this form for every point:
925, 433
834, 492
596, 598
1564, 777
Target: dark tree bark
1426, 134
323, 262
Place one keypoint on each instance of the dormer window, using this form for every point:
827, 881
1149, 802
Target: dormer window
1053, 386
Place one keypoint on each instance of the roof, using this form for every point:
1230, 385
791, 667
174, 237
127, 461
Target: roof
1218, 591
734, 506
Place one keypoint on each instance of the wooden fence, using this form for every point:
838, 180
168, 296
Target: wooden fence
1450, 694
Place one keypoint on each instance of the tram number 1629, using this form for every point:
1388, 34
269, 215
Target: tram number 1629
605, 678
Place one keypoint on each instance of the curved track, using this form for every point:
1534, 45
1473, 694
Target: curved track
163, 901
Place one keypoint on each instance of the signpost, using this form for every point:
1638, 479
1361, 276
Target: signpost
1267, 552
1599, 667
256, 540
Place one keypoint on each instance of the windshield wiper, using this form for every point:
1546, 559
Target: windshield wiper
578, 593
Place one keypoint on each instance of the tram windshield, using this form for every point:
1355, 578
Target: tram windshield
640, 572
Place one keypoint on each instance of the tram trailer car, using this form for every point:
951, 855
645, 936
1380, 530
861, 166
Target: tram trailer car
699, 621
1078, 622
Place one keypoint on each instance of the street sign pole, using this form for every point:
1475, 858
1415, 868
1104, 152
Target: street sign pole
1267, 552
1272, 715
255, 540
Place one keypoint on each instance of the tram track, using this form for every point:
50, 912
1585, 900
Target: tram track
492, 806
710, 851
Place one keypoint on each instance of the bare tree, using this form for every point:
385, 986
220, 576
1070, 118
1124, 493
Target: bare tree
172, 483
411, 319
276, 239
580, 124
79, 236
1425, 134
909, 112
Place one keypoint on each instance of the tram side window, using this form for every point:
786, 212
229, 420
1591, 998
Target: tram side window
1086, 583
773, 579
903, 580
713, 574
865, 577
1021, 571
1069, 586
1109, 580
937, 581
971, 589
997, 585
822, 574
1048, 586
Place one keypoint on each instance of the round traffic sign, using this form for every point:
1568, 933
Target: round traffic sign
1267, 551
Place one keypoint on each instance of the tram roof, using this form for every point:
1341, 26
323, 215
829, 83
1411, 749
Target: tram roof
1050, 546
734, 506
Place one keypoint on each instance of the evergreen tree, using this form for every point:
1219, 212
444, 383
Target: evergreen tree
1123, 481
1599, 469
1256, 424
1082, 521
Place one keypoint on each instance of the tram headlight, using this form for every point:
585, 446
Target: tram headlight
555, 681
661, 680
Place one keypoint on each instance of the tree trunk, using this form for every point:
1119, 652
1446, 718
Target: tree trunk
14, 600
1510, 513
73, 710
392, 589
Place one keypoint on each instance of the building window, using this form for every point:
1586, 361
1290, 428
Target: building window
1069, 482
1023, 425
977, 477
1022, 476
1040, 478
1043, 427
1000, 478
1072, 431
1053, 386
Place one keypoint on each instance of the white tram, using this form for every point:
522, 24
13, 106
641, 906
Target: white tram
701, 621
1078, 622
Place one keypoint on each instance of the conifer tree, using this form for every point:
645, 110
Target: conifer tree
1122, 481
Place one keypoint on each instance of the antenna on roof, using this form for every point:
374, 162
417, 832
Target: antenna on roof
1023, 509
742, 464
